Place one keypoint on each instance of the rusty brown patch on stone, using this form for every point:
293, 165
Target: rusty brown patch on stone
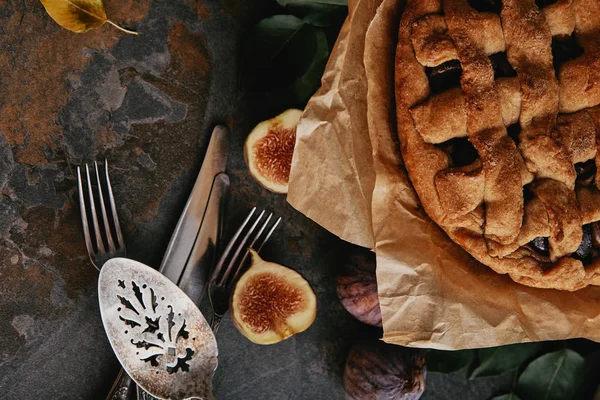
245, 12
42, 56
148, 212
201, 10
125, 12
32, 283
189, 62
61, 233
106, 137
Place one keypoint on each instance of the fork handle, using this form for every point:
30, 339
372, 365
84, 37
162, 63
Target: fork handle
123, 388
215, 323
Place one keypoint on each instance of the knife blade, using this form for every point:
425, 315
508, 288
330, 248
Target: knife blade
196, 272
191, 250
177, 257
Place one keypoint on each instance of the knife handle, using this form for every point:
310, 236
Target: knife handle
123, 388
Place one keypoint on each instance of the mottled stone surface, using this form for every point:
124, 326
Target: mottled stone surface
147, 104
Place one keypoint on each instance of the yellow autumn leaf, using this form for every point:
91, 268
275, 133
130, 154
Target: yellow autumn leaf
79, 15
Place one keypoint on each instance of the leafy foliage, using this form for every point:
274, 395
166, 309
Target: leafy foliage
319, 13
285, 55
590, 376
553, 376
444, 362
509, 396
498, 360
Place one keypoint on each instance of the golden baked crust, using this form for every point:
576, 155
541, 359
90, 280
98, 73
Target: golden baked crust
531, 119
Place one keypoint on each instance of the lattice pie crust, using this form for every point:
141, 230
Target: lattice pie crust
498, 120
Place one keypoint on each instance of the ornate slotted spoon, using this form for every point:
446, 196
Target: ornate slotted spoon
158, 334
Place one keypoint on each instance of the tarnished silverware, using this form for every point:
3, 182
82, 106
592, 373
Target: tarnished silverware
156, 331
105, 246
191, 250
233, 260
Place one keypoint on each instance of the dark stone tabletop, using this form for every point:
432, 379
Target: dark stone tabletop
147, 104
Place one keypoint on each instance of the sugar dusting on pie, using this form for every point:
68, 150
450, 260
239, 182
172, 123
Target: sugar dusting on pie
498, 117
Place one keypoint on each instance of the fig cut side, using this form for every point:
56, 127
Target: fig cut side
269, 149
271, 302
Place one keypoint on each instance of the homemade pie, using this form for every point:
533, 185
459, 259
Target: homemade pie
499, 126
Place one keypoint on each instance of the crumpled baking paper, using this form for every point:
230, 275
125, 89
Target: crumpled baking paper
348, 176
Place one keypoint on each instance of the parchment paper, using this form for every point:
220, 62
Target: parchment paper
333, 149
432, 293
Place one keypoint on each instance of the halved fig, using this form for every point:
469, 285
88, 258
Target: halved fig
269, 148
271, 302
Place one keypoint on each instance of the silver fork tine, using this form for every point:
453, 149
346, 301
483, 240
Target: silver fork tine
241, 246
84, 220
99, 256
260, 231
227, 250
256, 237
99, 242
113, 207
111, 244
268, 235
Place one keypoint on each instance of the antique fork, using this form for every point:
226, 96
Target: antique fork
100, 253
229, 266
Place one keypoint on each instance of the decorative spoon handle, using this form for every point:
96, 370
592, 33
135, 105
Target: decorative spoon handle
123, 387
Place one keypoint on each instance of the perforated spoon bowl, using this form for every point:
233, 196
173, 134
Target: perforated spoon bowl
158, 334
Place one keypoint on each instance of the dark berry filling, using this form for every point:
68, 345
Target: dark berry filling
527, 194
540, 244
564, 48
587, 250
461, 151
513, 132
445, 76
544, 3
586, 172
584, 252
502, 68
492, 6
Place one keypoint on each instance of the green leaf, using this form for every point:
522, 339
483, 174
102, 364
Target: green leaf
286, 56
305, 85
318, 13
321, 15
498, 360
270, 36
444, 362
312, 2
509, 396
590, 376
553, 376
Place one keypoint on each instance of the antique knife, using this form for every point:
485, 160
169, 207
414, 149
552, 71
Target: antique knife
191, 250
211, 181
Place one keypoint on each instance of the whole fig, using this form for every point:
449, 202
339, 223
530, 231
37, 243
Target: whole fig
380, 371
357, 288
